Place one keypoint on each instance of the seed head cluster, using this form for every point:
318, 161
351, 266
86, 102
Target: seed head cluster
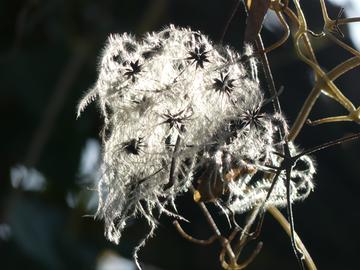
180, 111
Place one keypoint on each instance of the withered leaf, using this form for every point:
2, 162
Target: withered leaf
256, 13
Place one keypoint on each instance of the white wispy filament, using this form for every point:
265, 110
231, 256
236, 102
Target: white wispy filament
173, 103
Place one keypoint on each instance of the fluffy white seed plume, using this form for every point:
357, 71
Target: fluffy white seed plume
179, 110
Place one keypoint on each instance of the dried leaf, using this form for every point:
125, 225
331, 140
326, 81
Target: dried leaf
256, 13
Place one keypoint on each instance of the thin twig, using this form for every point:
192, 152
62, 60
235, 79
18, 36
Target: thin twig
272, 88
285, 225
245, 235
215, 229
235, 9
192, 239
316, 91
173, 166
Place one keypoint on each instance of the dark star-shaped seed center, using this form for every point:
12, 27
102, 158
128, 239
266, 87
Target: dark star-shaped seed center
133, 146
199, 56
224, 85
135, 68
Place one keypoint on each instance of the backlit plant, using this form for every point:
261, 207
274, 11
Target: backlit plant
182, 114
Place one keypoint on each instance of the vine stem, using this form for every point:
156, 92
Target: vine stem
286, 226
315, 92
216, 230
273, 210
245, 232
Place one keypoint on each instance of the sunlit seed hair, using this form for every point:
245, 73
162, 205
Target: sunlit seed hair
168, 100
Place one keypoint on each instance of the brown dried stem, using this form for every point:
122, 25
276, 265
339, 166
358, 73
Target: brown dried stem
192, 239
285, 225
324, 83
316, 91
216, 231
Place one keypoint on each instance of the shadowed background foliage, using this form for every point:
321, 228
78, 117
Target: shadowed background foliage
49, 54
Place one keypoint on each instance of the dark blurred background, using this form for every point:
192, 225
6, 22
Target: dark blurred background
48, 160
